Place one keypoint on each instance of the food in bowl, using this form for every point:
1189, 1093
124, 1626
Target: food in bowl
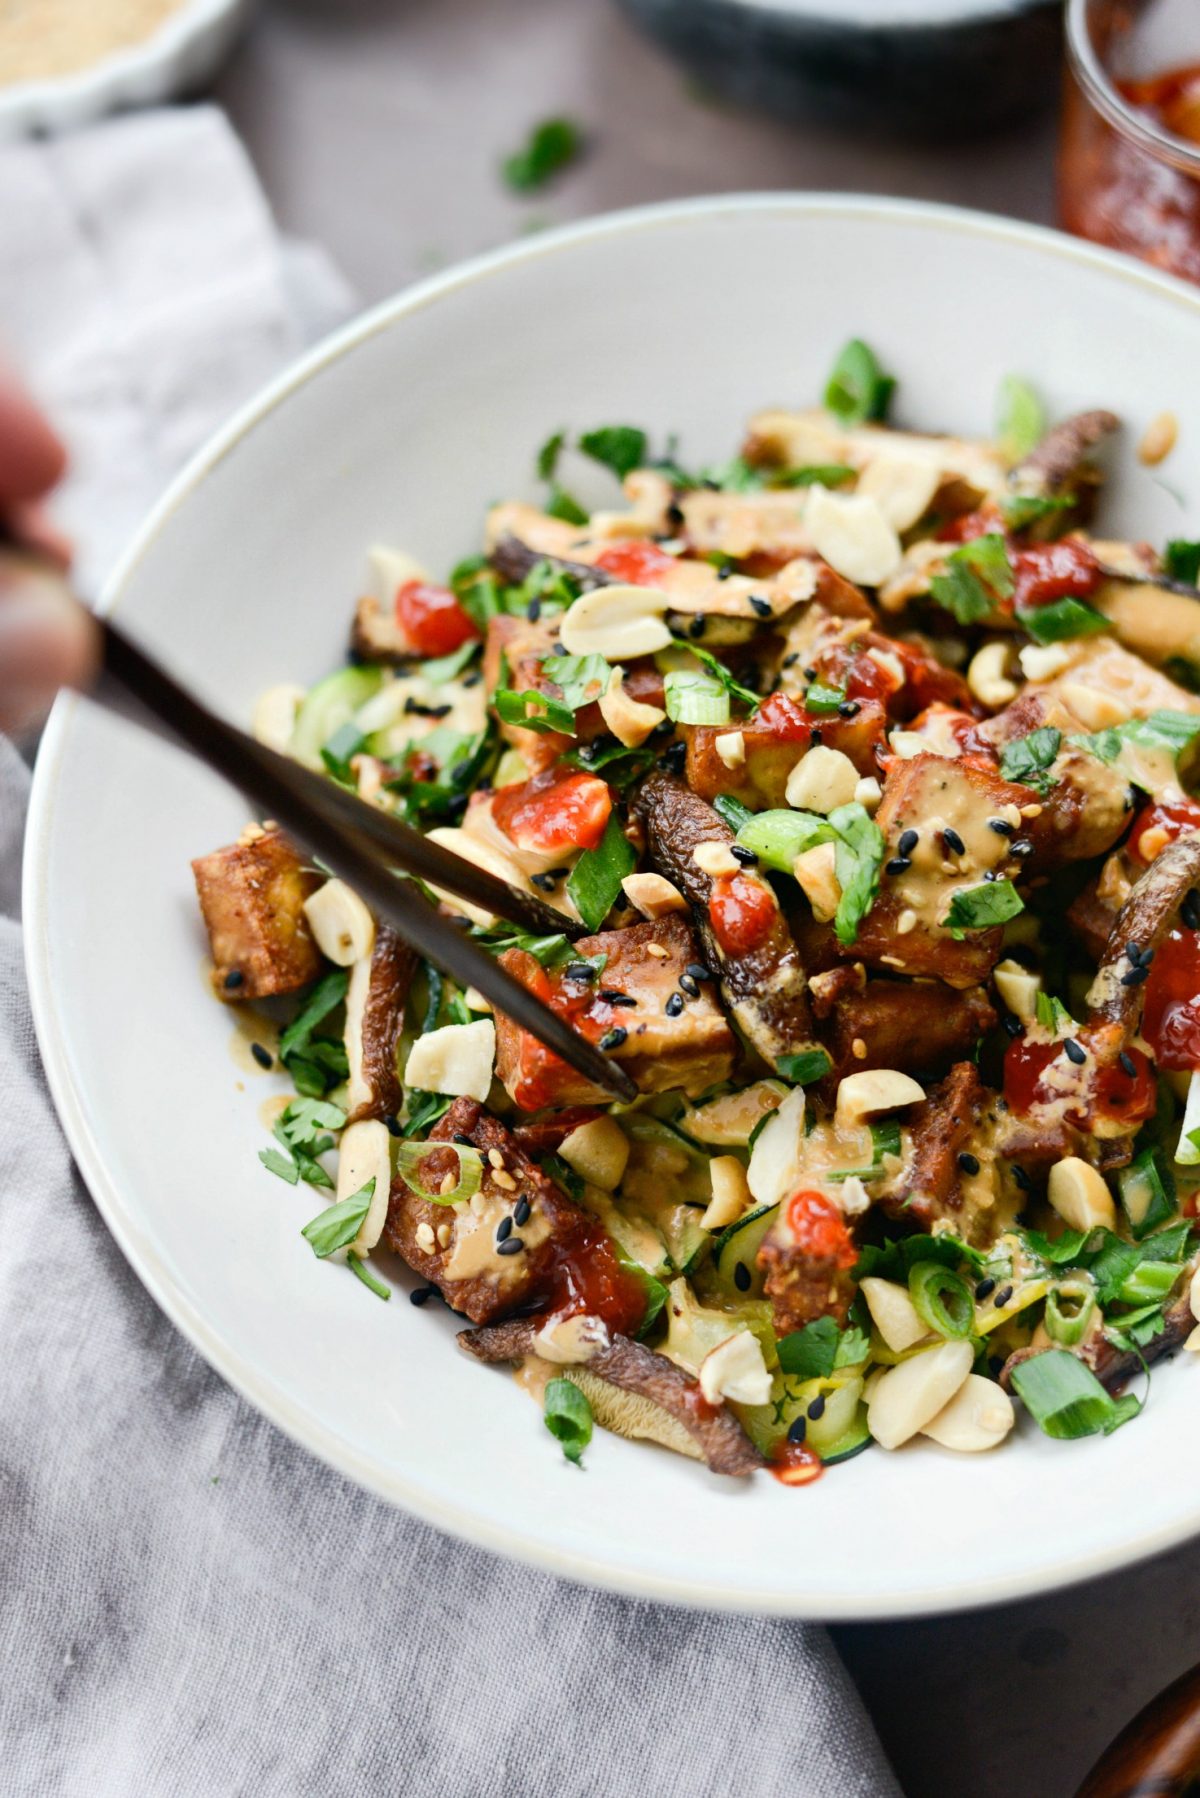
43, 39
865, 764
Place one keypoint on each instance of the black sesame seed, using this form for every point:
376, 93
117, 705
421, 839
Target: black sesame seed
262, 1056
472, 680
626, 999
761, 606
1147, 958
815, 738
1135, 977
724, 571
688, 985
233, 980
953, 841
1012, 1024
899, 864
985, 1289
849, 708
675, 757
674, 1005
533, 610
810, 673
967, 1162
1022, 849
990, 874
556, 649
698, 971
797, 1429
1134, 952
1128, 1064
741, 1276
1021, 1179
521, 1212
393, 1126
697, 627
579, 970
421, 1296
545, 882
1002, 1297
464, 1141
504, 1229
612, 1039
790, 661
512, 1245
1189, 911
817, 1408
908, 841
741, 854
1001, 826
1075, 1051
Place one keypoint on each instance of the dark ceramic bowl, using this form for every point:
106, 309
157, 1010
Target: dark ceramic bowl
920, 68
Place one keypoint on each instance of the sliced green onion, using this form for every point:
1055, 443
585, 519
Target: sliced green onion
731, 811
777, 838
368, 1279
1188, 1152
804, 1068
822, 699
595, 881
942, 1300
695, 699
1066, 1399
410, 1155
1149, 1282
1061, 620
1070, 1307
1147, 1193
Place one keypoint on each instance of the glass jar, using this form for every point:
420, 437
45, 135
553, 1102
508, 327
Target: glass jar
1129, 158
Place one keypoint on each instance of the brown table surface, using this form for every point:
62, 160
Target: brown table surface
376, 126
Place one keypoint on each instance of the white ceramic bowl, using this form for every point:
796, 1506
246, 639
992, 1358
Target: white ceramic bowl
404, 427
178, 58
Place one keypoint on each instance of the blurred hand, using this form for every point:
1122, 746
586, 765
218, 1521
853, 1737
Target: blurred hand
46, 640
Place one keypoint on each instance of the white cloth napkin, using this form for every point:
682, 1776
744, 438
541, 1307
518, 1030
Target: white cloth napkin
189, 1604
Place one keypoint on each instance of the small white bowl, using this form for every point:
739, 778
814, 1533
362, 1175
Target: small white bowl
186, 49
402, 428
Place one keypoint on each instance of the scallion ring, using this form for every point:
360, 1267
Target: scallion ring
942, 1300
410, 1156
1070, 1307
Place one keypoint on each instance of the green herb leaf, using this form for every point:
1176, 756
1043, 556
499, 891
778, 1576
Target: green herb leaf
621, 766
816, 474
534, 711
338, 1225
595, 880
803, 1069
858, 389
564, 505
346, 741
809, 1353
1161, 730
444, 668
619, 447
547, 456
424, 1110
1052, 1014
1062, 620
1020, 510
978, 575
1181, 560
979, 908
568, 1418
368, 1279
1020, 421
325, 997
582, 678
735, 476
859, 850
551, 145
283, 1165
719, 672
1027, 759
895, 1260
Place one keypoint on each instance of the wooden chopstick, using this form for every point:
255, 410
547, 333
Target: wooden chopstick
330, 824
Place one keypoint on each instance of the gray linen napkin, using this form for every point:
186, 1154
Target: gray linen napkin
189, 1604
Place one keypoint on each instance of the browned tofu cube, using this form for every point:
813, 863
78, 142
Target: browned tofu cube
941, 809
252, 896
775, 740
665, 1036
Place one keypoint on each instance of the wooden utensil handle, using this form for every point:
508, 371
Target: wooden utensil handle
1157, 1755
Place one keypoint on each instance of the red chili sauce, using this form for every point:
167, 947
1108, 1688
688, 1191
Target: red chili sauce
1113, 1091
795, 1464
559, 809
585, 1277
743, 911
636, 560
432, 619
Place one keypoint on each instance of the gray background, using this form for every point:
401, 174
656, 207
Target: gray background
376, 126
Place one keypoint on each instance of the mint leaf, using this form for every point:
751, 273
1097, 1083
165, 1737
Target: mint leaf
338, 1225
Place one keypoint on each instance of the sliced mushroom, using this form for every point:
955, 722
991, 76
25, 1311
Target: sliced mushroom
1117, 993
375, 1001
1059, 457
634, 1369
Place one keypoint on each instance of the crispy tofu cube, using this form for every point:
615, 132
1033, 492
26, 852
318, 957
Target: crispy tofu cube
774, 742
689, 1047
252, 897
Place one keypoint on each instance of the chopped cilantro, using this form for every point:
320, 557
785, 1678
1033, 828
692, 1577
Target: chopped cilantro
1181, 560
1062, 620
568, 1418
1020, 421
858, 390
978, 575
338, 1225
595, 880
1027, 760
803, 1069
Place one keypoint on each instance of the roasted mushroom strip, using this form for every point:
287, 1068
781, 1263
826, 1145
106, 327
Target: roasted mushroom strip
1059, 461
763, 986
1117, 994
375, 1004
633, 1368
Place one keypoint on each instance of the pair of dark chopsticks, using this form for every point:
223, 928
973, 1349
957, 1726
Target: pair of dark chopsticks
365, 846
